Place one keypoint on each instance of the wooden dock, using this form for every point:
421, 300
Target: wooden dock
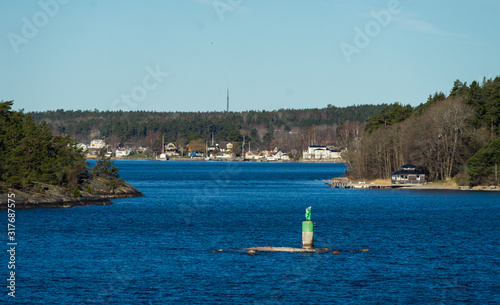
339, 182
346, 183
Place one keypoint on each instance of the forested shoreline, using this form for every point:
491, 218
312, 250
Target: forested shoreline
450, 136
288, 129
50, 171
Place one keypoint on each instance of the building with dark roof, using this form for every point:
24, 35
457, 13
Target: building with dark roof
408, 175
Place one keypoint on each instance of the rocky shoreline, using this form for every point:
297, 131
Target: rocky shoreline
431, 186
448, 186
343, 182
51, 196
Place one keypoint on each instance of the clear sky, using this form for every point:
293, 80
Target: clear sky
182, 55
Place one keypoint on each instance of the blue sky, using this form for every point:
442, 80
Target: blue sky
182, 55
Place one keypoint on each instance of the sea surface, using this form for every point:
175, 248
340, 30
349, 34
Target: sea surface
425, 247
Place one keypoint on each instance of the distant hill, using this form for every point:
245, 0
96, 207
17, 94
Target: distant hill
261, 128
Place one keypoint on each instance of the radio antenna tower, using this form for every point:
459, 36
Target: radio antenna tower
227, 100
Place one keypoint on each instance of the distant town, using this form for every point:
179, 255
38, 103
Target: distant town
216, 151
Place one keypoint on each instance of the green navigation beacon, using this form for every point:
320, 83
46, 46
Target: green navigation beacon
308, 214
308, 231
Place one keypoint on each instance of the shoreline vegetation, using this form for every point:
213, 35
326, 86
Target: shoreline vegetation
38, 169
451, 137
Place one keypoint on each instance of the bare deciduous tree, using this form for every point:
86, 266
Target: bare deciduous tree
435, 140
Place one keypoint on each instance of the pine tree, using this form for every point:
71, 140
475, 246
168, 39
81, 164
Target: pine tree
29, 153
483, 166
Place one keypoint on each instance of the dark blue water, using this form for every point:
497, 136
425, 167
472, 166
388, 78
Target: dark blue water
425, 247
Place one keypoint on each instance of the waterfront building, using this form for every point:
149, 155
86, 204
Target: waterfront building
122, 152
97, 144
249, 155
319, 152
171, 150
408, 174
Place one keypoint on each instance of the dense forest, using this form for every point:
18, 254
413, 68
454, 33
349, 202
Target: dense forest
31, 155
448, 136
287, 129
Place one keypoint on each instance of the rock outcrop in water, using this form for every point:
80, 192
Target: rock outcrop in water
50, 196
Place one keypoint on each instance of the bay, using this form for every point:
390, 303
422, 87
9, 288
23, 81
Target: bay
425, 247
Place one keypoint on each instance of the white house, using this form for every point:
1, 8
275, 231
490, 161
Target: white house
320, 152
171, 150
224, 155
273, 157
249, 155
266, 155
97, 144
122, 152
282, 156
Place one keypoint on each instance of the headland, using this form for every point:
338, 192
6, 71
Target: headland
98, 192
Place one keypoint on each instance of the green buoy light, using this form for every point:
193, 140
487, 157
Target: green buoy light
308, 231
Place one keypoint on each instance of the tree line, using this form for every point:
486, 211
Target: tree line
30, 154
448, 136
146, 128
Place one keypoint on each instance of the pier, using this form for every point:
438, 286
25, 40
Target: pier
339, 183
346, 183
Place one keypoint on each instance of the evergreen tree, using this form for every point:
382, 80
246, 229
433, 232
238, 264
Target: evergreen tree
483, 166
458, 89
388, 116
29, 153
104, 168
